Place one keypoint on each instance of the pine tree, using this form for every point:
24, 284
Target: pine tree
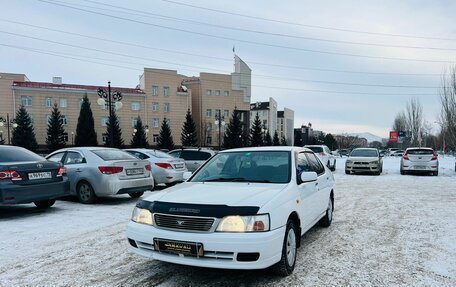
24, 134
234, 136
85, 130
2, 140
139, 139
275, 139
165, 139
267, 139
283, 141
55, 131
256, 136
114, 132
188, 135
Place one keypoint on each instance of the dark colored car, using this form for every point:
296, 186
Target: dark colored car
26, 177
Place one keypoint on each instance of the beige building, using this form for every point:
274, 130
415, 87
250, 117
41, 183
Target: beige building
267, 112
285, 125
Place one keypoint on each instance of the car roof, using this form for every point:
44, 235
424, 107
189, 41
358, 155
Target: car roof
414, 148
267, 148
366, 148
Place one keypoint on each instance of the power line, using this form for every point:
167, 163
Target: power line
203, 68
213, 57
218, 81
246, 41
309, 25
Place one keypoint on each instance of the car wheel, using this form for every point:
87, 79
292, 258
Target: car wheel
327, 219
435, 173
334, 166
287, 262
43, 204
402, 172
169, 184
136, 194
347, 172
85, 193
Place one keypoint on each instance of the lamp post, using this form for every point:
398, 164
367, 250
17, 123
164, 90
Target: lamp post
442, 127
219, 121
72, 138
8, 123
114, 100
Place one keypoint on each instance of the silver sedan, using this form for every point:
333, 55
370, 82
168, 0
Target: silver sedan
97, 171
165, 168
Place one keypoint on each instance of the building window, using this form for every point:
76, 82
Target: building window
63, 103
155, 107
217, 112
154, 90
49, 102
155, 122
226, 93
209, 141
166, 107
168, 122
135, 106
208, 113
217, 92
165, 91
209, 127
26, 101
104, 121
65, 137
155, 138
32, 120
208, 92
64, 120
265, 123
104, 137
226, 114
134, 121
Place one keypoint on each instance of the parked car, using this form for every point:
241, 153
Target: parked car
391, 150
364, 160
420, 160
26, 177
99, 171
194, 157
343, 152
245, 208
397, 153
325, 155
165, 168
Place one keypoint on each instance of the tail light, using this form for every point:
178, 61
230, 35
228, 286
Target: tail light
434, 156
61, 171
10, 174
148, 167
110, 169
405, 156
164, 165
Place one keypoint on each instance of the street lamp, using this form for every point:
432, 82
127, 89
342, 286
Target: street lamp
8, 123
219, 121
442, 127
72, 138
114, 100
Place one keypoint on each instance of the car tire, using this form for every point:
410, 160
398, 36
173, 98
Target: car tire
287, 262
327, 219
435, 173
334, 166
347, 172
402, 172
85, 193
169, 184
136, 194
43, 204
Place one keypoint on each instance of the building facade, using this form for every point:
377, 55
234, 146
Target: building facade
267, 112
285, 125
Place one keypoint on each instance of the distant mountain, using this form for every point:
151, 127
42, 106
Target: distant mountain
368, 136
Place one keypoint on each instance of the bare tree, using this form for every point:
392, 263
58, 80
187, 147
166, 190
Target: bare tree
415, 120
448, 102
400, 122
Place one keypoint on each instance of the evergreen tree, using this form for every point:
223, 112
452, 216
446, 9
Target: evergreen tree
24, 134
85, 130
114, 132
2, 140
283, 141
330, 141
139, 139
55, 131
165, 139
267, 139
275, 139
256, 136
234, 136
188, 135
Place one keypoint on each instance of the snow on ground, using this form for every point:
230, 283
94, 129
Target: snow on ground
388, 230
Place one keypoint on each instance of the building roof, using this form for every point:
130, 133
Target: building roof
280, 114
259, 106
43, 85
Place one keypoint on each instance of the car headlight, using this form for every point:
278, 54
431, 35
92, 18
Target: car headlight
143, 216
348, 162
235, 223
374, 162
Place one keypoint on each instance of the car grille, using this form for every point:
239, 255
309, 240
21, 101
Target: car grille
183, 222
362, 162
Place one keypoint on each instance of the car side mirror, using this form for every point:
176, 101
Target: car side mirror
186, 175
308, 176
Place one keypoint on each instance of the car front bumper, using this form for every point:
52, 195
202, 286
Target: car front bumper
221, 250
11, 193
363, 167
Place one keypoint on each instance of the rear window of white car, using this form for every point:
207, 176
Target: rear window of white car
315, 149
112, 154
420, 151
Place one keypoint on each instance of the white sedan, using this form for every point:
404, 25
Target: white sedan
243, 209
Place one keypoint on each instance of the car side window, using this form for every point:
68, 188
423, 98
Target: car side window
327, 150
139, 155
190, 155
74, 158
56, 157
315, 164
204, 155
176, 154
302, 165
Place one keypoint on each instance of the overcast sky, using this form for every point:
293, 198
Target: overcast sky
287, 64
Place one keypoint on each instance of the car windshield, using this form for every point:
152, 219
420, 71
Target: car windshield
159, 154
420, 151
364, 153
14, 154
246, 166
315, 149
112, 154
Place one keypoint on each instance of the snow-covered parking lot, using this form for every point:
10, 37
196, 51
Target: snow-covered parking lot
388, 230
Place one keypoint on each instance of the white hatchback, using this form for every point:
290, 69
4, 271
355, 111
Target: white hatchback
420, 160
243, 209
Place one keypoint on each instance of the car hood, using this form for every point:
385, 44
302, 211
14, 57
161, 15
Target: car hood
219, 193
362, 158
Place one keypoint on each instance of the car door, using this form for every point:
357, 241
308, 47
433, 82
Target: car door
75, 164
324, 183
307, 191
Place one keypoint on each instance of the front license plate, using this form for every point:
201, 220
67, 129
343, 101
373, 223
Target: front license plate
39, 175
135, 171
179, 247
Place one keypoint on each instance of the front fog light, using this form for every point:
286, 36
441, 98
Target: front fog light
255, 223
141, 215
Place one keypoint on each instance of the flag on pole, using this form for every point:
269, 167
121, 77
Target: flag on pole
233, 49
